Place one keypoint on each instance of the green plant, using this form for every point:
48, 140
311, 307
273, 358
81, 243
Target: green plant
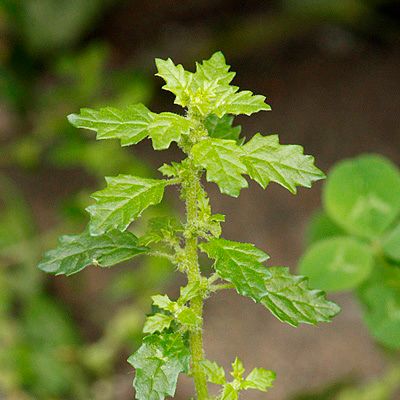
355, 241
205, 135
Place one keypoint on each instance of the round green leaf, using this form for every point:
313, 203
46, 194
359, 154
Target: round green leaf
391, 244
335, 264
321, 227
380, 297
363, 195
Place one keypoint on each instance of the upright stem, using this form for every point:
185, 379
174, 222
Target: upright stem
191, 190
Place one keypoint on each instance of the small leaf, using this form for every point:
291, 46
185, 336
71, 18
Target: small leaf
267, 160
163, 302
75, 252
188, 292
357, 198
243, 102
260, 379
240, 264
237, 369
214, 70
177, 80
214, 372
291, 301
166, 128
123, 201
221, 159
158, 363
128, 124
380, 298
157, 322
391, 244
335, 264
188, 317
229, 393
221, 128
159, 229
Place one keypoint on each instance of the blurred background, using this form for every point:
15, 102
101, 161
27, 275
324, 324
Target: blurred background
330, 70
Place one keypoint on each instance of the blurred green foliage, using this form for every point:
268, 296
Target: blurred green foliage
353, 245
42, 79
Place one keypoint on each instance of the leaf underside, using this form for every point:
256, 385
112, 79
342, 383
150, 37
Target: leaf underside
158, 362
75, 252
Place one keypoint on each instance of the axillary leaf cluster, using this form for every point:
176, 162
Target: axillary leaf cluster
213, 147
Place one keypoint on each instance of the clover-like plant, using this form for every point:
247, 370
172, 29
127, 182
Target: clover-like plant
355, 241
174, 341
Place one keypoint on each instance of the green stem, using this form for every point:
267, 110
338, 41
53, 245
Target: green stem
191, 191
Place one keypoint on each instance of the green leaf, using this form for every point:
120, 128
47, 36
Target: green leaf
391, 244
188, 317
128, 124
221, 159
214, 372
243, 102
240, 264
157, 322
237, 369
260, 379
159, 229
321, 227
177, 80
190, 291
163, 302
267, 160
123, 201
166, 128
229, 393
357, 195
214, 70
335, 264
380, 297
221, 128
158, 363
291, 301
75, 252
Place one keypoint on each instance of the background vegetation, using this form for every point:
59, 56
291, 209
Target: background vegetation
330, 71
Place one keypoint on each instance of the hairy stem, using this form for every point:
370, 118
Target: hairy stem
191, 192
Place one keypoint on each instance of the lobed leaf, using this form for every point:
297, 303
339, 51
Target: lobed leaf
229, 392
157, 323
214, 70
123, 201
290, 299
243, 102
128, 124
286, 296
267, 160
240, 264
177, 80
166, 128
75, 252
221, 159
214, 372
158, 363
260, 379
163, 302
